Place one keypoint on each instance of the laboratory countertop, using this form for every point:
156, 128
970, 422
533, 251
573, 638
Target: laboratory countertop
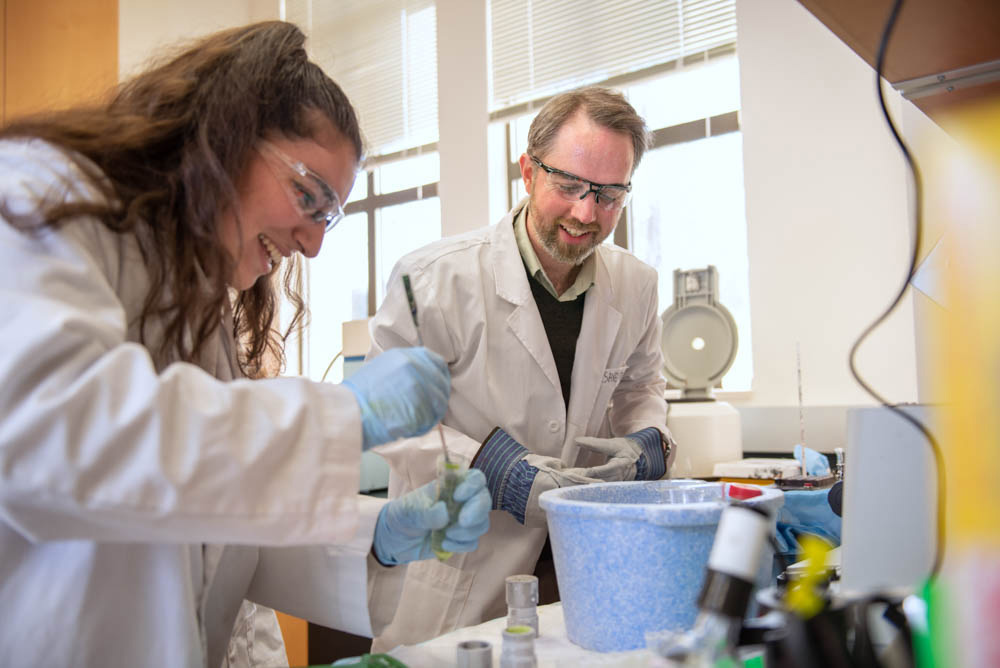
553, 647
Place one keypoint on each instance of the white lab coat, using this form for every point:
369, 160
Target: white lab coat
476, 309
134, 492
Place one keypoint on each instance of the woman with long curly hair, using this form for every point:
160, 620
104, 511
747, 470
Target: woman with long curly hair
152, 474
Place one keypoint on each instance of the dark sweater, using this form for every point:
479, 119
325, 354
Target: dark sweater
562, 321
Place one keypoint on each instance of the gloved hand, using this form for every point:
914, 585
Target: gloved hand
816, 463
638, 456
516, 477
402, 392
404, 526
806, 511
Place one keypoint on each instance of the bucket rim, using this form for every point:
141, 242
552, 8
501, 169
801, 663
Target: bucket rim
553, 501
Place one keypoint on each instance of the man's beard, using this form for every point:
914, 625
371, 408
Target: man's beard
548, 237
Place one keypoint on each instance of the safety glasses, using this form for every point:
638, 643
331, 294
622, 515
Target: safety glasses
309, 193
608, 196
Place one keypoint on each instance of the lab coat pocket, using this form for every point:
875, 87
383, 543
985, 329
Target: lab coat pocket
439, 592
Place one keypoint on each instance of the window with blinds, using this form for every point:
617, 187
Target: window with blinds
383, 53
542, 47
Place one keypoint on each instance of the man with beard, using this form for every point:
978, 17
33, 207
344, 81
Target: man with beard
553, 344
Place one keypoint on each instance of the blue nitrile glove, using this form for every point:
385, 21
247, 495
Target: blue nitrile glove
516, 476
638, 456
402, 392
806, 511
816, 463
404, 526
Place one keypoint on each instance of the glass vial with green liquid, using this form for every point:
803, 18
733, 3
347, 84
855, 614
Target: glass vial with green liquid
450, 475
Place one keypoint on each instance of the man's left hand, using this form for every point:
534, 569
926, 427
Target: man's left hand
638, 456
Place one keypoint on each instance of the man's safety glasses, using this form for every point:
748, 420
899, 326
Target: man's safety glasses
308, 192
610, 197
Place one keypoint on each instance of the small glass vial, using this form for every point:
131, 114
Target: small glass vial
522, 601
518, 649
474, 654
450, 475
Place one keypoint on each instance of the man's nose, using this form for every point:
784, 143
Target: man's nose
585, 210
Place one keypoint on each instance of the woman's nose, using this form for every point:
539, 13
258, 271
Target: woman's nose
309, 236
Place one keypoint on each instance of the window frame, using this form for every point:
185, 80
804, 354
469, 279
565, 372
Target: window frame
374, 201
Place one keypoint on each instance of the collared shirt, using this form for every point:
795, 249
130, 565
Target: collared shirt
583, 280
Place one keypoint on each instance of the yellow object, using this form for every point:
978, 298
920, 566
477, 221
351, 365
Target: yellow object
804, 597
967, 184
748, 481
964, 201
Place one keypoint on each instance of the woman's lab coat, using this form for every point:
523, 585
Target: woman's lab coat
134, 493
476, 309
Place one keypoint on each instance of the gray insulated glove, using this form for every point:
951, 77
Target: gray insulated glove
638, 456
516, 477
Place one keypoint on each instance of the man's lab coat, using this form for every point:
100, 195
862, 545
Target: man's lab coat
476, 310
134, 493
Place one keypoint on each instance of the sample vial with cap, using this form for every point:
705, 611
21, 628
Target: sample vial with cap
518, 649
522, 601
474, 654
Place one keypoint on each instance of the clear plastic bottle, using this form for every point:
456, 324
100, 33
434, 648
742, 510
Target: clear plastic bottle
522, 601
518, 648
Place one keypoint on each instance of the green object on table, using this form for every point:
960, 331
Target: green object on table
450, 476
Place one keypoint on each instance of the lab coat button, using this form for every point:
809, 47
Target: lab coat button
553, 426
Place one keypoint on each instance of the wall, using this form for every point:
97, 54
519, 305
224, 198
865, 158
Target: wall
57, 53
930, 145
462, 115
147, 26
827, 213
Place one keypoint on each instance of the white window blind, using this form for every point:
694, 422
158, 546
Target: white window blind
383, 53
541, 47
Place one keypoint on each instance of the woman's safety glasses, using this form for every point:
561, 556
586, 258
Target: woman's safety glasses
308, 192
610, 197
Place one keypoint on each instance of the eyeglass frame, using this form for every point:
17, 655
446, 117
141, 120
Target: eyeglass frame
592, 187
328, 216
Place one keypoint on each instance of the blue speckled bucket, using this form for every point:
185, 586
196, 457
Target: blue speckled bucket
630, 556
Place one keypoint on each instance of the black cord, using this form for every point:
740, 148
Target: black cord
917, 230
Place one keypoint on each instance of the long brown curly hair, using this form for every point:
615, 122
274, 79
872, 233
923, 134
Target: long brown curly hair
166, 152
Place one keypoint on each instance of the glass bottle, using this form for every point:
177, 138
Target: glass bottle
725, 595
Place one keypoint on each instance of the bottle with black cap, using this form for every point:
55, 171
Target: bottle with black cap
739, 545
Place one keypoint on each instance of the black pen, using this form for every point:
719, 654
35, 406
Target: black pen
420, 340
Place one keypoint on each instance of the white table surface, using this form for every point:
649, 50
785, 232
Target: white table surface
552, 647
